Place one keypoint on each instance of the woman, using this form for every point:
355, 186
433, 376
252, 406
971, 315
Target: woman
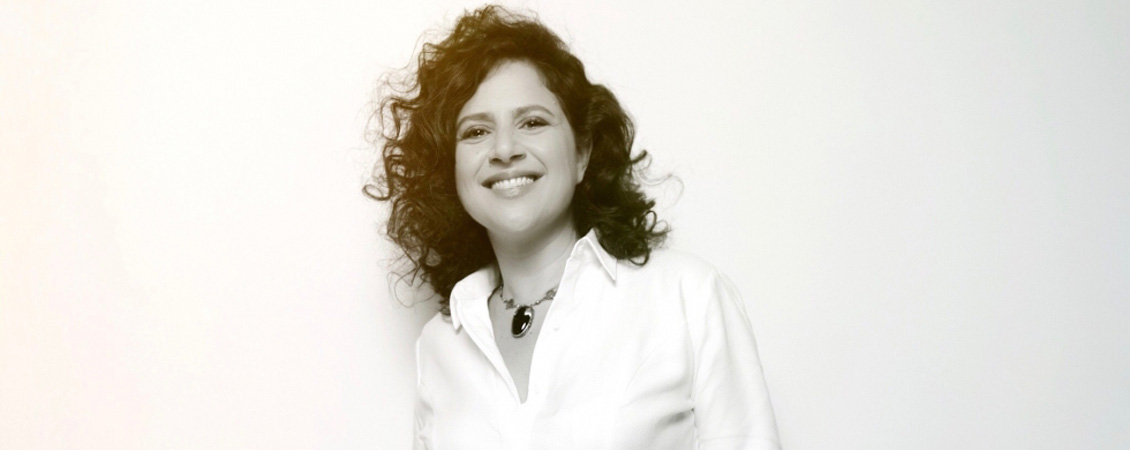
515, 197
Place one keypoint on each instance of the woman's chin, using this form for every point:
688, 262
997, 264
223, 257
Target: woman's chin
513, 230
524, 229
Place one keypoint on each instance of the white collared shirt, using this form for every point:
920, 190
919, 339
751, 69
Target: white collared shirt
654, 357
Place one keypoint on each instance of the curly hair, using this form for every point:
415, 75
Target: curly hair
416, 137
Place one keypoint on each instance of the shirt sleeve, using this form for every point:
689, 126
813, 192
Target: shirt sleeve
731, 402
423, 410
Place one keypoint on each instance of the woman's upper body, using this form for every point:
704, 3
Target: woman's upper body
497, 157
659, 356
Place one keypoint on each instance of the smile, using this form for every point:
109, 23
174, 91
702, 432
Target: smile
511, 183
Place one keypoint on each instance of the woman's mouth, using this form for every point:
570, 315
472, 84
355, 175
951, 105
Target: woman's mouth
511, 183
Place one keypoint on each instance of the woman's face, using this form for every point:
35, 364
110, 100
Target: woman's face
516, 160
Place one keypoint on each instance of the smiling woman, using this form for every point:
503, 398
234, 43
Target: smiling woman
516, 163
563, 324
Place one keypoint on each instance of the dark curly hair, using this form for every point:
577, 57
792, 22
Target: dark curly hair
416, 135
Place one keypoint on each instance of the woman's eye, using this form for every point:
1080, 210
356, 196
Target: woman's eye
473, 132
534, 122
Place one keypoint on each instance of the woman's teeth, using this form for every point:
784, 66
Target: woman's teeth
512, 183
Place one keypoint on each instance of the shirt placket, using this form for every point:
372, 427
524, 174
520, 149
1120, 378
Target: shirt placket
548, 349
476, 322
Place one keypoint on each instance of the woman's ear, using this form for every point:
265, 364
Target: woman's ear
583, 154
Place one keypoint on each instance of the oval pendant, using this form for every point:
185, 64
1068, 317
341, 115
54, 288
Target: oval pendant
523, 320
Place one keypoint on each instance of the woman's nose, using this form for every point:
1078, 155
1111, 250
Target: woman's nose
506, 148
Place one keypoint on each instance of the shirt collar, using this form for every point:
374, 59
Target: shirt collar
607, 261
477, 287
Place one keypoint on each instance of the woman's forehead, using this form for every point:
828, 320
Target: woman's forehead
510, 86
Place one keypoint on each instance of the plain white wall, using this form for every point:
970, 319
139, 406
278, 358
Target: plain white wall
924, 203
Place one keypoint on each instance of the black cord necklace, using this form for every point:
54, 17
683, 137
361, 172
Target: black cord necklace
524, 316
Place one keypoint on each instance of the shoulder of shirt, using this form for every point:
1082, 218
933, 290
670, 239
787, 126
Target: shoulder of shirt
437, 327
676, 264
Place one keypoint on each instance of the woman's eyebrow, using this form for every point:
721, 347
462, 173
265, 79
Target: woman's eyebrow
526, 109
483, 116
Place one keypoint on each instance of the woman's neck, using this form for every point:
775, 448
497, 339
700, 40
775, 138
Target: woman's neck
530, 267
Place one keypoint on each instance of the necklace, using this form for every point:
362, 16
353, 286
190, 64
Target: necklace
524, 316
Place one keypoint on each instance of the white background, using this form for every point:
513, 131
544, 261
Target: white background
924, 203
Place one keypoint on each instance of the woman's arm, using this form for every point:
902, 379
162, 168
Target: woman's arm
731, 401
